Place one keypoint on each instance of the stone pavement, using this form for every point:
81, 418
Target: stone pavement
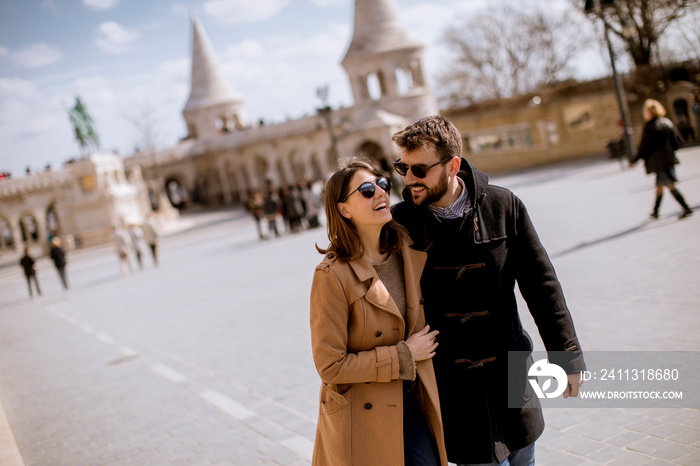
206, 360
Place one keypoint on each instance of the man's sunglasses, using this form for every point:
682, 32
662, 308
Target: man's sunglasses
420, 171
367, 188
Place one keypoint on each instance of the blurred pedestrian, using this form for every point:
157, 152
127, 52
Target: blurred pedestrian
271, 208
138, 243
293, 209
370, 344
254, 204
58, 255
312, 204
660, 140
123, 246
150, 235
27, 264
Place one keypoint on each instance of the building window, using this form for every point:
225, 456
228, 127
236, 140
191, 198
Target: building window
499, 139
403, 81
374, 86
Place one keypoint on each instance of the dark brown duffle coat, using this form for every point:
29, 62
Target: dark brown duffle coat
355, 326
469, 296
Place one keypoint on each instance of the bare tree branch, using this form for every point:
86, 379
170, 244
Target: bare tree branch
650, 18
142, 117
509, 50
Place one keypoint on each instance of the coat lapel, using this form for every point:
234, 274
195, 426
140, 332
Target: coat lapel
379, 296
376, 294
413, 263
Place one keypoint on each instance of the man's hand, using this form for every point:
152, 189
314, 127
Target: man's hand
575, 382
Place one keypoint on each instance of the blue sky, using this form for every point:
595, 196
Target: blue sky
124, 55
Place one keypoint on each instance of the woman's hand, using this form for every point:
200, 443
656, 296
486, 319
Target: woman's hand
422, 344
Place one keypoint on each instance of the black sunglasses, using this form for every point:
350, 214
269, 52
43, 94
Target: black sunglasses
367, 188
420, 171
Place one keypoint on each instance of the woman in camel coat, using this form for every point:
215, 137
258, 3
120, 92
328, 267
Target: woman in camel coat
378, 402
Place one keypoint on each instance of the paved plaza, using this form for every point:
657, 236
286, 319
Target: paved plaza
207, 359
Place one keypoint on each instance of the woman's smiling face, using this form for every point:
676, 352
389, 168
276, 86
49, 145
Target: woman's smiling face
362, 211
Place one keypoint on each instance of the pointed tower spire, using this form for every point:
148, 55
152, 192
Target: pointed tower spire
383, 63
213, 106
378, 29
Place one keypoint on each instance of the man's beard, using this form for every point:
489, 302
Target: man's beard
431, 194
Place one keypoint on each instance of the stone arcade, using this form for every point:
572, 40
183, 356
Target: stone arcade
223, 156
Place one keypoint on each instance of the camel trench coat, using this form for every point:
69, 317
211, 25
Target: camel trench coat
355, 326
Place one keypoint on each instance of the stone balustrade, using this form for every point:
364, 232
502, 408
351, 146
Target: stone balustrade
34, 183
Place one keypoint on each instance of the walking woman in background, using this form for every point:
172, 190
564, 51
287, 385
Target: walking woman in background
660, 140
379, 403
58, 255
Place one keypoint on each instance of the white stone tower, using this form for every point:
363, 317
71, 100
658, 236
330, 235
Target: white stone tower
213, 107
384, 65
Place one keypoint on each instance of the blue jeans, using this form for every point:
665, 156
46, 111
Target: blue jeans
523, 457
419, 448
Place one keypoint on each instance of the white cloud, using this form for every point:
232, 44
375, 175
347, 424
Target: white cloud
18, 99
427, 21
176, 67
36, 55
94, 89
181, 9
328, 2
4, 51
50, 5
113, 38
16, 88
246, 49
330, 43
100, 4
243, 11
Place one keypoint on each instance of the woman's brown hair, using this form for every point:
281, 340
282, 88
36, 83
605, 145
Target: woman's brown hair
344, 239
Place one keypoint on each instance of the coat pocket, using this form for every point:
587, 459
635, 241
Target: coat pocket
333, 446
519, 363
333, 401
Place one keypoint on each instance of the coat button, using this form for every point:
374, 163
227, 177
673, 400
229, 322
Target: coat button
378, 334
368, 405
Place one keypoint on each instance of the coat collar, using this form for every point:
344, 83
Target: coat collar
378, 295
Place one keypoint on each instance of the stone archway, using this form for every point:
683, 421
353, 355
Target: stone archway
261, 170
29, 228
7, 241
53, 226
315, 168
230, 173
375, 154
176, 192
209, 189
299, 171
282, 174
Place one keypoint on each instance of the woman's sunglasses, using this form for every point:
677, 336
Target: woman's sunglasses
420, 171
367, 188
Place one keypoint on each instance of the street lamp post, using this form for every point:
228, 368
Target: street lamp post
326, 112
596, 7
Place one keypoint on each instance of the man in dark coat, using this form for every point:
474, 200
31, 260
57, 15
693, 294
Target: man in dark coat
480, 241
27, 264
